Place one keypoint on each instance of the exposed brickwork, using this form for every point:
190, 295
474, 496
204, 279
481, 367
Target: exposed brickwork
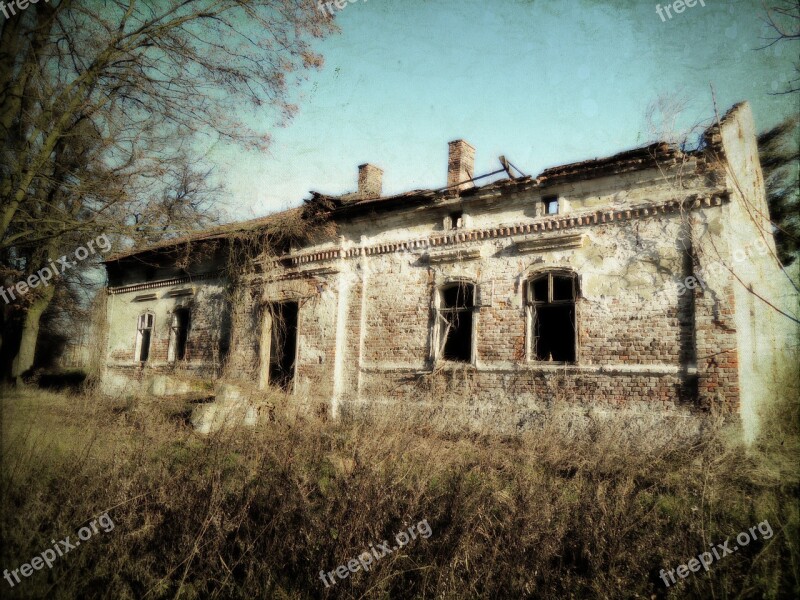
631, 229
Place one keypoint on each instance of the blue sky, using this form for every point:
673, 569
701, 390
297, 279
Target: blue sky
543, 82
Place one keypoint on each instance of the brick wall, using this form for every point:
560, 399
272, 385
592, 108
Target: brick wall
208, 304
366, 316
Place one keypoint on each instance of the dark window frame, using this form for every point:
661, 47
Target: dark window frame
556, 304
548, 201
450, 346
455, 217
145, 324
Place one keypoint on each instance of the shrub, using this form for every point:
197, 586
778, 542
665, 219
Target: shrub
557, 512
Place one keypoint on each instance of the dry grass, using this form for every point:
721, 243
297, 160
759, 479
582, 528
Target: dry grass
559, 512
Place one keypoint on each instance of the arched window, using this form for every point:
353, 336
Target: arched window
144, 332
551, 314
455, 303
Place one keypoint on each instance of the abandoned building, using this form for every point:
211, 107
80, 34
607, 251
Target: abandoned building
591, 283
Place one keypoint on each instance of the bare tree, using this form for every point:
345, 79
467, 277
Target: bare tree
103, 105
779, 151
783, 18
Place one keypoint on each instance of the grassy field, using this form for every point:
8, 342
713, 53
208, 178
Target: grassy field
258, 513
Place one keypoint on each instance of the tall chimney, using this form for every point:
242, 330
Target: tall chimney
370, 181
460, 164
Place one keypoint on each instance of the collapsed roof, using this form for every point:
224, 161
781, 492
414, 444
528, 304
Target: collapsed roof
304, 222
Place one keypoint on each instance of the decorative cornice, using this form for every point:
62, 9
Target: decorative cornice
292, 274
550, 242
454, 255
181, 292
551, 226
317, 256
152, 285
303, 273
555, 223
145, 297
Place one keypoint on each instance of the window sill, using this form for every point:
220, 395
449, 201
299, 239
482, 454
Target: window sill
552, 365
531, 366
453, 365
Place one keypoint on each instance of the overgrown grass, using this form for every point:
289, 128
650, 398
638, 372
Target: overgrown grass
257, 513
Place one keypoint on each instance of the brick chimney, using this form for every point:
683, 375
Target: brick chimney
370, 181
460, 164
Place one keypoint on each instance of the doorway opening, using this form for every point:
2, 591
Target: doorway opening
283, 344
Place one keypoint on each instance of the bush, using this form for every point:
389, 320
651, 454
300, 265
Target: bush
558, 512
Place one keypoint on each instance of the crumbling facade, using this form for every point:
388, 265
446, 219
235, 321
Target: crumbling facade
619, 282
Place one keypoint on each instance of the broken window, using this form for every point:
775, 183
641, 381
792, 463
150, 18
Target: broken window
551, 306
144, 332
178, 334
455, 321
550, 205
457, 219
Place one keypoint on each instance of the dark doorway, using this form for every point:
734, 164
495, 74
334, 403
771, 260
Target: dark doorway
283, 344
180, 331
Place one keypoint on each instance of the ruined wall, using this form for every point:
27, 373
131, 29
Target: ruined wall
764, 298
206, 342
255, 316
636, 333
316, 332
244, 360
366, 320
666, 318
651, 330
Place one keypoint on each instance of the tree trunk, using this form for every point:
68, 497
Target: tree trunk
30, 333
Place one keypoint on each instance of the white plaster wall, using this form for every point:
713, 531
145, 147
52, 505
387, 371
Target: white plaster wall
767, 339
